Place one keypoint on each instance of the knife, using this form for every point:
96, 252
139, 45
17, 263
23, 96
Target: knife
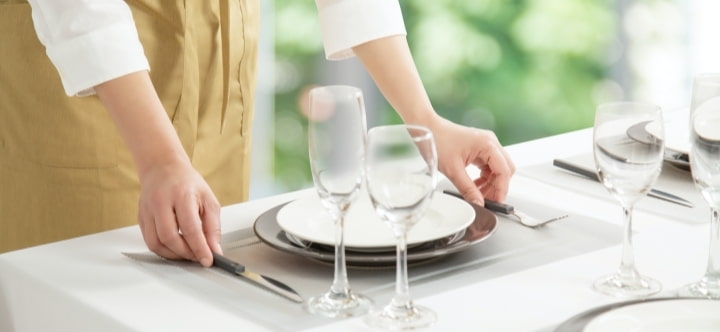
259, 279
489, 204
593, 176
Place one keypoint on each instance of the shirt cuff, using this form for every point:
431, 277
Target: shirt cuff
348, 23
97, 57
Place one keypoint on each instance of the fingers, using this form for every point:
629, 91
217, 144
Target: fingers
487, 184
495, 177
189, 231
458, 176
187, 213
497, 184
509, 161
169, 233
485, 152
149, 233
496, 170
210, 214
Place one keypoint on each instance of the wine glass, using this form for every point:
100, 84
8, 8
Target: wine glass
401, 175
337, 135
627, 167
705, 168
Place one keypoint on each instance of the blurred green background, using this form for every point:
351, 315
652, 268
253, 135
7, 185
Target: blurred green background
524, 69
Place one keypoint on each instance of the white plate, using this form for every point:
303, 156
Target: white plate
687, 315
677, 137
307, 219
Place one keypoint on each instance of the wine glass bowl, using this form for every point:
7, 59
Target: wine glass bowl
401, 175
336, 144
705, 167
627, 167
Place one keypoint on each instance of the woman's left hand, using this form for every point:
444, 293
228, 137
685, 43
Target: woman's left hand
459, 146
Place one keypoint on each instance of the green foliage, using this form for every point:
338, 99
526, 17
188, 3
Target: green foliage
524, 69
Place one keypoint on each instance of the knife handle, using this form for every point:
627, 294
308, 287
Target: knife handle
499, 207
489, 204
227, 264
576, 169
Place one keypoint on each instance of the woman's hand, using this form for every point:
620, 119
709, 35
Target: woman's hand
389, 62
179, 215
459, 146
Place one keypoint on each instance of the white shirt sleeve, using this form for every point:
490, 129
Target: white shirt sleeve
89, 42
348, 23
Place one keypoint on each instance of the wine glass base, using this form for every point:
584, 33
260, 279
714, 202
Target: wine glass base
401, 318
701, 289
336, 305
617, 286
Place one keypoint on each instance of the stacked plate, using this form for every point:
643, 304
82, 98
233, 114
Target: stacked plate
305, 228
677, 143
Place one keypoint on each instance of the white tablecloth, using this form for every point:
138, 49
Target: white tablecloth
86, 284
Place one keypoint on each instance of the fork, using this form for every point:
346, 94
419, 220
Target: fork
522, 218
507, 209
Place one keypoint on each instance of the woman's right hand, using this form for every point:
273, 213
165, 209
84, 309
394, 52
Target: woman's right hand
178, 214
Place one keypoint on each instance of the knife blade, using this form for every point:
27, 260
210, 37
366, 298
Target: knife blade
266, 282
590, 174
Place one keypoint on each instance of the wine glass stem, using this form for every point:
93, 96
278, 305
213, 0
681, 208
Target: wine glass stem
340, 285
713, 267
402, 292
627, 269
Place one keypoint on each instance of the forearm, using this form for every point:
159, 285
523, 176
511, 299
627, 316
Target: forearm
141, 119
389, 62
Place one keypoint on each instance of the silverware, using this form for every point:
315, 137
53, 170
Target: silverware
223, 263
593, 176
259, 279
522, 218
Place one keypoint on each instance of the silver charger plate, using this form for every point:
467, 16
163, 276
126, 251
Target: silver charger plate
266, 228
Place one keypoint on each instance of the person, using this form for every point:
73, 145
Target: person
156, 128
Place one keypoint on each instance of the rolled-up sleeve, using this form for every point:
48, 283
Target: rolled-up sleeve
88, 41
348, 23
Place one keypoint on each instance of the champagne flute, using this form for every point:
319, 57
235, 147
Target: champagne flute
705, 168
337, 134
401, 171
627, 167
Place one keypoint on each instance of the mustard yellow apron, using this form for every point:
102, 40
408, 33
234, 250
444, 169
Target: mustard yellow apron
65, 171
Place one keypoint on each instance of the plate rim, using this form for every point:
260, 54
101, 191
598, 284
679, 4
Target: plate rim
580, 321
673, 156
671, 144
457, 227
269, 232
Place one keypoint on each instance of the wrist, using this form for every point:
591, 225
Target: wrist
160, 158
425, 117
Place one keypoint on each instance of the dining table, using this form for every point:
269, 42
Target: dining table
516, 279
